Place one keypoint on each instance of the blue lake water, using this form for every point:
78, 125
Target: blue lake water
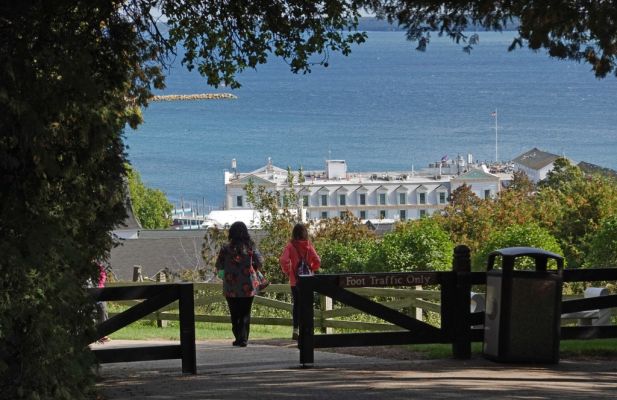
385, 107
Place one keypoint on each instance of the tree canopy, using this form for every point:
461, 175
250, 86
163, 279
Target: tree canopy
151, 207
220, 39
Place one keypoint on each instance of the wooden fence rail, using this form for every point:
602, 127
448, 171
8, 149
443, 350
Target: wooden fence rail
206, 295
415, 302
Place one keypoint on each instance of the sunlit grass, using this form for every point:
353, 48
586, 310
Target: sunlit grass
594, 348
147, 330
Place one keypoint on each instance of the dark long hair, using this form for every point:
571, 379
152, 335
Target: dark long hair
299, 232
240, 241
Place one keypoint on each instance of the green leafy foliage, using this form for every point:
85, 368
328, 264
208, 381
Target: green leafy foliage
339, 257
572, 205
344, 245
278, 214
581, 32
222, 39
420, 245
603, 245
214, 240
467, 218
528, 235
151, 206
63, 104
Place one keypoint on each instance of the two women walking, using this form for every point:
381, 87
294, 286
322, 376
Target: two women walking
237, 264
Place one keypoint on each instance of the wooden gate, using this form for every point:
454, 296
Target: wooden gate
459, 326
455, 313
155, 297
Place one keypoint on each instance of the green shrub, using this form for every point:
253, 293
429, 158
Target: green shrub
528, 235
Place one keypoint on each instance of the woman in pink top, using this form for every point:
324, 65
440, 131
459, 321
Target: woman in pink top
299, 247
101, 306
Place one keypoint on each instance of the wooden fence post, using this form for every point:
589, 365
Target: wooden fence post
161, 277
186, 305
461, 265
325, 304
417, 310
137, 277
307, 326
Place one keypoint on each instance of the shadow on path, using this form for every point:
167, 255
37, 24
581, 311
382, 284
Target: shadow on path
262, 371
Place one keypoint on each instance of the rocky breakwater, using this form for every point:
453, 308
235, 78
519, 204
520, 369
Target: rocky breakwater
202, 96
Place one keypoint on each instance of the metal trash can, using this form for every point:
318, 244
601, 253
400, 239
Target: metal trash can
523, 308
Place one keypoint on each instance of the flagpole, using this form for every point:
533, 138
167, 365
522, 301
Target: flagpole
496, 145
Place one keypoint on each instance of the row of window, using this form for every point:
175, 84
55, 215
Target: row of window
381, 199
381, 214
362, 200
342, 199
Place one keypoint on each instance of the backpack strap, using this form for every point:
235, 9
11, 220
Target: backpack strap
299, 254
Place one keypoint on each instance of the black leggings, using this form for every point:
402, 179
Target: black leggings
295, 311
240, 311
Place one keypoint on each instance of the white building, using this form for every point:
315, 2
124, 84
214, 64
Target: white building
535, 163
381, 196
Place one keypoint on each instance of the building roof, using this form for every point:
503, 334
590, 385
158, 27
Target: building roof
380, 227
272, 175
476, 174
252, 177
130, 222
535, 159
156, 250
156, 254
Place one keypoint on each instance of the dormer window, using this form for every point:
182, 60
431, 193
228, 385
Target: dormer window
421, 194
422, 198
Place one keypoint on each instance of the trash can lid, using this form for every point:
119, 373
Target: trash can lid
508, 255
525, 251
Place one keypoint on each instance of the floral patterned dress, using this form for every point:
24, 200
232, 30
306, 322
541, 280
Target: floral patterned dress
239, 279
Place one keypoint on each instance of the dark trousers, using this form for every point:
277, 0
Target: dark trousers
295, 310
101, 311
240, 311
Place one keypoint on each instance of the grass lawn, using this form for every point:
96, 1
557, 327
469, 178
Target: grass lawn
594, 348
144, 330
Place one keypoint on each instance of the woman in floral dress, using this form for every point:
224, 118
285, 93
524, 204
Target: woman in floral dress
237, 264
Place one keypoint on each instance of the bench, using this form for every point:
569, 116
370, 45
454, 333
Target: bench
591, 317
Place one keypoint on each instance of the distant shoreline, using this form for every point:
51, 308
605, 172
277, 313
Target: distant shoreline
201, 96
379, 25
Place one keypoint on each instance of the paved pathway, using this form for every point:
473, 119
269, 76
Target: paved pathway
272, 372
